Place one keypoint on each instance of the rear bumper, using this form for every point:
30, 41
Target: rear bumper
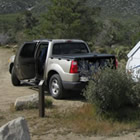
74, 85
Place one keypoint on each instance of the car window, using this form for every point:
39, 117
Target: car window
28, 50
69, 48
43, 46
42, 52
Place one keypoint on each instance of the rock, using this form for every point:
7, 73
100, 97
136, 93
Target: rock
26, 102
15, 130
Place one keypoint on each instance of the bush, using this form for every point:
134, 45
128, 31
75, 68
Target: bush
112, 90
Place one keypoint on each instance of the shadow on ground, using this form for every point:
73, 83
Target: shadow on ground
70, 95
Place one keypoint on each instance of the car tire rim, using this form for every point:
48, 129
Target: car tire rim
55, 87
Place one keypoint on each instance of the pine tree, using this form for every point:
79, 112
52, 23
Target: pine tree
70, 19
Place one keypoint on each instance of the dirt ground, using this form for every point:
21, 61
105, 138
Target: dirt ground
9, 93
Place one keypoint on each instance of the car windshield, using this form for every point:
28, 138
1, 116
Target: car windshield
69, 48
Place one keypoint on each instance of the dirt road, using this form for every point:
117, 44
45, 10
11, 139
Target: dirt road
9, 93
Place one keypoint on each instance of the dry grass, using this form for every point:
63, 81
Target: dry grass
85, 120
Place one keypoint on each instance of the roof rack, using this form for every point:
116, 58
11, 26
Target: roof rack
39, 40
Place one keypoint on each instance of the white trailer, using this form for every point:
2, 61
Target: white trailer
133, 63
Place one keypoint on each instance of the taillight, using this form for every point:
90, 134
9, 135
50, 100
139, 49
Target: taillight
116, 63
74, 67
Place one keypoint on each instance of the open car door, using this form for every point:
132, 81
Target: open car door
40, 57
25, 62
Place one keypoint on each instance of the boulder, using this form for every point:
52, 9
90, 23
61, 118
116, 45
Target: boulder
15, 130
27, 102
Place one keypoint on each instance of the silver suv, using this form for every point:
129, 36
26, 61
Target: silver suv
63, 64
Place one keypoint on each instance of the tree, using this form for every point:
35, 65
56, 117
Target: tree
18, 24
70, 19
30, 20
30, 25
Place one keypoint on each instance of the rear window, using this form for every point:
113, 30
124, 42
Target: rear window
69, 48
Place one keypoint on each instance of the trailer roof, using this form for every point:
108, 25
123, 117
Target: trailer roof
134, 50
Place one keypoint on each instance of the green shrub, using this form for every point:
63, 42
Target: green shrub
112, 90
48, 102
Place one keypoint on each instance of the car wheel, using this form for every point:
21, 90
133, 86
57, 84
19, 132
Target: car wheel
55, 87
14, 79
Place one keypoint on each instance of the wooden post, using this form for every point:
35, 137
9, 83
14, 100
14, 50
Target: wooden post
41, 99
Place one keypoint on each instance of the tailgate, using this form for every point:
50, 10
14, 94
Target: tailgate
88, 66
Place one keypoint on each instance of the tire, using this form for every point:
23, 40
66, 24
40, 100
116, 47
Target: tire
14, 79
55, 87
